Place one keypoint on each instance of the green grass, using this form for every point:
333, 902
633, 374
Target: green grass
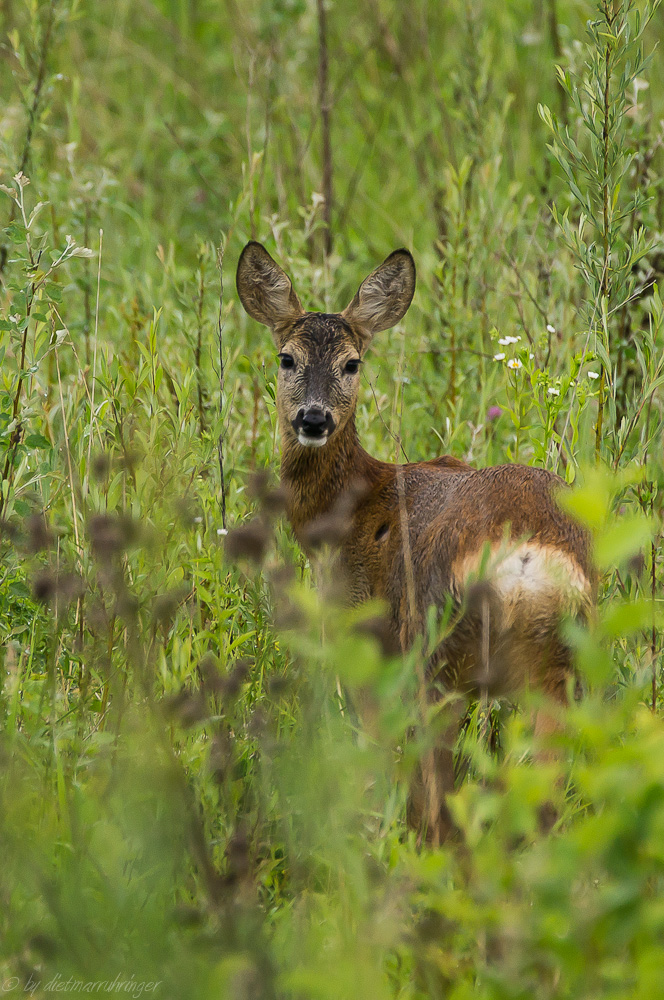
187, 794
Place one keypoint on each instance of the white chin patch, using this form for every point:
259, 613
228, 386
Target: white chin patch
309, 442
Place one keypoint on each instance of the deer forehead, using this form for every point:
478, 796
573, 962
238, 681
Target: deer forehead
324, 336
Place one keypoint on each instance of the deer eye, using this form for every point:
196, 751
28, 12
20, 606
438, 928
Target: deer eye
287, 360
352, 367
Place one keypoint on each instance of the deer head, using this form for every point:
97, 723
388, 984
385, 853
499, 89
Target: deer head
320, 353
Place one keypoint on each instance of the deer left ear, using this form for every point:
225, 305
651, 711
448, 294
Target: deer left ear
383, 298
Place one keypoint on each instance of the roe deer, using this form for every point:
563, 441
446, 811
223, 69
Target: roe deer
418, 534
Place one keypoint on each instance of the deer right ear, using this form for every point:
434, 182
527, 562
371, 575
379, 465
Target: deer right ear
265, 291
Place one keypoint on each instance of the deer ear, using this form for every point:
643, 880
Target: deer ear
265, 291
383, 298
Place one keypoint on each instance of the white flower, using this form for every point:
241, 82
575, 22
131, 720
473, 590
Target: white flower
531, 356
640, 84
499, 357
593, 375
550, 329
222, 531
553, 392
509, 340
514, 363
198, 520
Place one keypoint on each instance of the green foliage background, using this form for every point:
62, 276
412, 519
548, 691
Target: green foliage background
187, 796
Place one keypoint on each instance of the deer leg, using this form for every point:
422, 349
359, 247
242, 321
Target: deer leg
433, 781
546, 725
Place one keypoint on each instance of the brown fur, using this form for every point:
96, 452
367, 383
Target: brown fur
458, 520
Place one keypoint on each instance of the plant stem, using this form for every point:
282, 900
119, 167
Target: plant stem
554, 32
605, 284
653, 592
324, 106
34, 109
199, 344
10, 458
220, 330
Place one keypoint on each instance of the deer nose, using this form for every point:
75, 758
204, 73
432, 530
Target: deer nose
314, 422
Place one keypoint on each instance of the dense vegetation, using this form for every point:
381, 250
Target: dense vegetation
189, 806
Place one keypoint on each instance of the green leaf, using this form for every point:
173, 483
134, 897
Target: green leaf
622, 540
37, 441
627, 617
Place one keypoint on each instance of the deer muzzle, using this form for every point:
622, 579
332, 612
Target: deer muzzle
313, 426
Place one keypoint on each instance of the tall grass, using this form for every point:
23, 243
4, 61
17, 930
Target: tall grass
188, 797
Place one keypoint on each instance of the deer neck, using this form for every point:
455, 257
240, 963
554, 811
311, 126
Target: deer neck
315, 478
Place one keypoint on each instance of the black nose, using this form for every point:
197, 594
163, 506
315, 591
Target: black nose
314, 422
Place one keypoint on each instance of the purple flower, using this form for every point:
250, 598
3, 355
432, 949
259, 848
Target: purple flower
493, 413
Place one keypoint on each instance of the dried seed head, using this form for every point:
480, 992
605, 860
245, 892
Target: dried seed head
165, 606
432, 926
279, 686
328, 529
101, 465
257, 723
288, 616
187, 707
8, 531
547, 817
282, 576
379, 628
132, 458
110, 535
188, 512
187, 916
45, 945
57, 590
232, 683
126, 603
258, 484
271, 498
208, 671
248, 541
637, 564
44, 587
39, 535
220, 760
237, 856
274, 502
332, 527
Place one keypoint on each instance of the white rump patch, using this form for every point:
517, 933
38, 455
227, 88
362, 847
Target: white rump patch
526, 569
